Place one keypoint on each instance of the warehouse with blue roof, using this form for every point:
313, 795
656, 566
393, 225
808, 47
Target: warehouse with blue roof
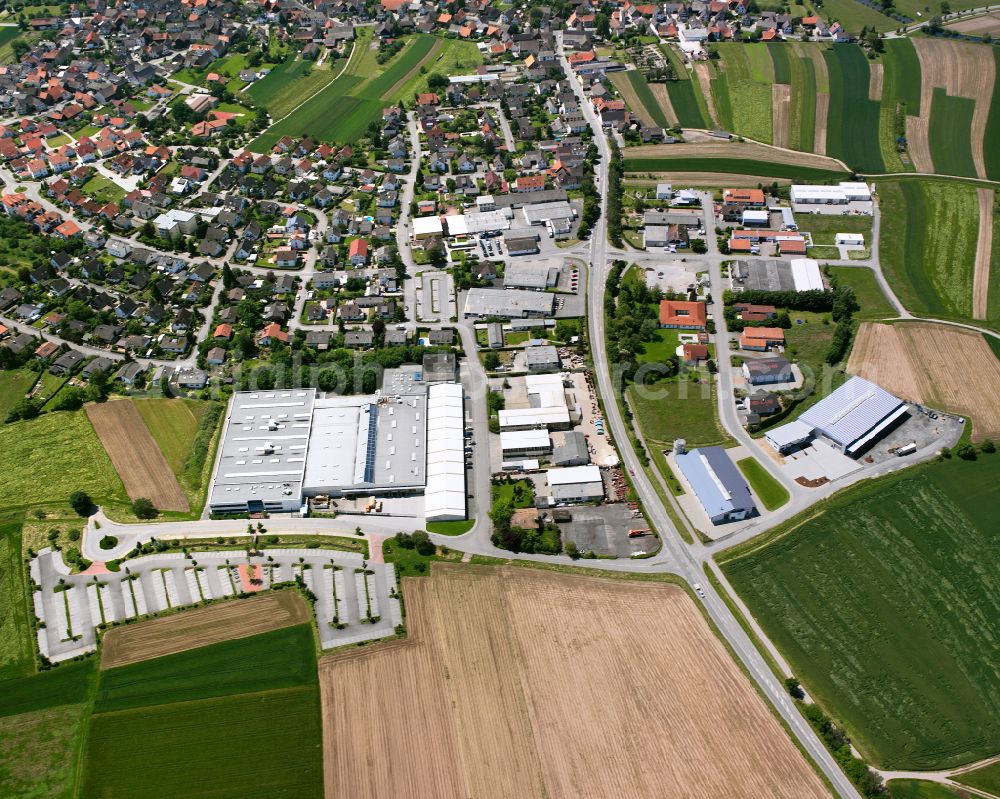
852, 418
717, 483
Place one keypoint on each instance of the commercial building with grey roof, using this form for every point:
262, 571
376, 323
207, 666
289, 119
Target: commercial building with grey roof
510, 303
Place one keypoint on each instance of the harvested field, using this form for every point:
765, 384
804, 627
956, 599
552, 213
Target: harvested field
704, 76
875, 82
919, 361
962, 70
659, 91
822, 112
202, 626
978, 26
515, 666
984, 251
781, 97
135, 455
723, 149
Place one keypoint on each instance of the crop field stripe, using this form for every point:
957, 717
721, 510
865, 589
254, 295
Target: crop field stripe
950, 134
761, 64
885, 609
676, 61
398, 88
645, 95
748, 101
16, 640
991, 151
682, 97
720, 98
398, 68
902, 63
780, 60
852, 133
807, 121
743, 166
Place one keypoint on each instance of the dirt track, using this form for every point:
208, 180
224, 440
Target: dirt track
135, 454
875, 82
822, 112
527, 683
659, 91
984, 250
704, 77
941, 366
202, 626
959, 69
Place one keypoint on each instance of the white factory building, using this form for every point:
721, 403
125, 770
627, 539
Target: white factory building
281, 447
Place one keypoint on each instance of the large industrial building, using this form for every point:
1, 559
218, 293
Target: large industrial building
281, 447
510, 303
717, 483
799, 274
851, 419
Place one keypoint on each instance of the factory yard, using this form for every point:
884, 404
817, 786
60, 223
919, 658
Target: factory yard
357, 595
515, 666
201, 627
937, 365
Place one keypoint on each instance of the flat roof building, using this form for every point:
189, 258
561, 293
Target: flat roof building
717, 483
538, 275
542, 358
569, 448
444, 497
511, 303
525, 443
575, 484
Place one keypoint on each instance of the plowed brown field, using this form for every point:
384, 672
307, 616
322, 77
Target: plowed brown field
941, 366
984, 252
202, 626
135, 455
781, 97
516, 682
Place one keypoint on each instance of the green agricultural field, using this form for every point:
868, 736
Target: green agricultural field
13, 387
66, 684
991, 155
739, 166
873, 302
685, 102
357, 95
279, 659
748, 83
456, 57
16, 644
928, 244
48, 458
668, 410
887, 607
267, 744
719, 87
663, 347
768, 490
290, 84
802, 121
920, 789
900, 97
950, 134
38, 752
853, 120
854, 16
986, 778
645, 95
761, 64
782, 64
172, 423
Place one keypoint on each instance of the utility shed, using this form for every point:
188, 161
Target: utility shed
717, 483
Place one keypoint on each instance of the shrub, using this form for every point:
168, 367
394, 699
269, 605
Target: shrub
109, 542
144, 508
81, 502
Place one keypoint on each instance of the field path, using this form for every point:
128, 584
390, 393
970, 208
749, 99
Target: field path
959, 69
704, 77
436, 48
137, 458
659, 91
984, 250
822, 112
781, 98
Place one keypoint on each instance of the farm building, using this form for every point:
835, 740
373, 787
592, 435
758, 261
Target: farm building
682, 315
512, 303
852, 418
575, 484
717, 483
279, 447
761, 371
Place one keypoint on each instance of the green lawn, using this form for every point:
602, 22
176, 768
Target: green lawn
519, 492
451, 528
663, 347
900, 92
950, 134
266, 744
768, 490
682, 409
48, 386
38, 752
887, 606
986, 778
824, 228
928, 244
13, 387
739, 166
853, 119
273, 660
781, 61
409, 562
457, 57
48, 458
103, 189
854, 16
873, 303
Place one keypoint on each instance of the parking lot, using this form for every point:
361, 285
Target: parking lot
604, 530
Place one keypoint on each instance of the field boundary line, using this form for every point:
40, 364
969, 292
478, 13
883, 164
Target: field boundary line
984, 250
436, 48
